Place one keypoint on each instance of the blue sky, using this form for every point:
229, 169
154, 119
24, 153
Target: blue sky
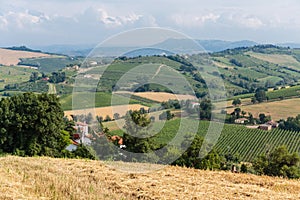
33, 22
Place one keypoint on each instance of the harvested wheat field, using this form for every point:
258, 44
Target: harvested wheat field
163, 96
12, 57
49, 178
277, 109
104, 111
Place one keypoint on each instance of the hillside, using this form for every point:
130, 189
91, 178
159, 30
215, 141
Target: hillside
242, 69
12, 57
49, 178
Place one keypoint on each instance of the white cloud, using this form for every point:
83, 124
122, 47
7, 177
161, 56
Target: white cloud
194, 20
250, 21
61, 21
20, 20
209, 17
113, 21
3, 22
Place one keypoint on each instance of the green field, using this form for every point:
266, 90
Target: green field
293, 91
284, 92
236, 139
48, 65
13, 75
101, 100
284, 60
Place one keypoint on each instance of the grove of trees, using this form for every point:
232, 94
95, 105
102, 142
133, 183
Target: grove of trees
278, 163
34, 125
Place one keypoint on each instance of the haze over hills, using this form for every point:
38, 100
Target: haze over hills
169, 46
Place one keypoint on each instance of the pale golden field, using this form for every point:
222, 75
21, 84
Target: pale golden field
12, 57
108, 110
49, 178
277, 109
163, 96
222, 65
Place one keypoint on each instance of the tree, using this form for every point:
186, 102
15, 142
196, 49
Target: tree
191, 157
251, 118
116, 116
260, 95
263, 118
235, 62
236, 102
244, 113
167, 115
237, 112
244, 168
34, 76
136, 137
278, 163
292, 124
32, 125
107, 118
205, 109
89, 118
99, 119
57, 77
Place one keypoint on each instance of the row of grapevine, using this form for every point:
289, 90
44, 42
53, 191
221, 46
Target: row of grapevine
249, 143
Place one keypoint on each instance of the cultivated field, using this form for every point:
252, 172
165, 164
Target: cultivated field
12, 57
221, 65
49, 178
163, 96
13, 75
280, 59
277, 109
108, 110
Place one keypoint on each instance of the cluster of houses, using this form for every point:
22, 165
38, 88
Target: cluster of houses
266, 126
81, 136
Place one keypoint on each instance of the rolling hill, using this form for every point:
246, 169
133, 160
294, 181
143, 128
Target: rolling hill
242, 69
12, 57
49, 178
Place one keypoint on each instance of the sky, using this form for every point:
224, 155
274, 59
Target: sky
35, 22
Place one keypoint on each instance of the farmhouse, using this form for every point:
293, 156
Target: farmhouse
195, 104
265, 127
241, 120
273, 124
81, 127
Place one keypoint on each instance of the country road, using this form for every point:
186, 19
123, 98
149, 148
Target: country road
52, 88
157, 71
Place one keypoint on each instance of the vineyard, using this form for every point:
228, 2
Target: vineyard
284, 93
275, 94
249, 143
235, 139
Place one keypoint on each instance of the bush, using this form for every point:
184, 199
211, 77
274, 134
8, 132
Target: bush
278, 163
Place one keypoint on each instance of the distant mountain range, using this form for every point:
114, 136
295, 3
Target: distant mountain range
169, 46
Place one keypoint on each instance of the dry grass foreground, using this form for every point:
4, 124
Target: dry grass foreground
49, 178
12, 57
163, 96
277, 109
104, 111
